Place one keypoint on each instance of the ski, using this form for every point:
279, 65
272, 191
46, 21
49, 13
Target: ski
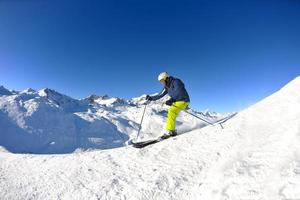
143, 144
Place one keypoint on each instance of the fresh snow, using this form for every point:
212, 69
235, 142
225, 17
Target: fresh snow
255, 156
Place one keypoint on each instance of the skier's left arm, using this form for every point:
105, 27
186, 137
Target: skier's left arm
160, 95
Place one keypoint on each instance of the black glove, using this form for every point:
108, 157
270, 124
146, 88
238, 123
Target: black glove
169, 102
149, 98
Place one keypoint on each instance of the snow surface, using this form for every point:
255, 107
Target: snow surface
255, 156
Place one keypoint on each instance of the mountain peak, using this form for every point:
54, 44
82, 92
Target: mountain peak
48, 92
29, 91
4, 91
105, 100
58, 98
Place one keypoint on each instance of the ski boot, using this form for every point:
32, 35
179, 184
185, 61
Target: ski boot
169, 134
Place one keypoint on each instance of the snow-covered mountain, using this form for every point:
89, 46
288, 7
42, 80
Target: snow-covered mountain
4, 91
47, 121
106, 100
255, 156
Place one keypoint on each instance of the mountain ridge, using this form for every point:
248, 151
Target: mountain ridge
51, 122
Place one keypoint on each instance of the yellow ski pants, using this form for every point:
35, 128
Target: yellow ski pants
173, 113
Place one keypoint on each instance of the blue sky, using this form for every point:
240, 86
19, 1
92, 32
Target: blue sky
230, 54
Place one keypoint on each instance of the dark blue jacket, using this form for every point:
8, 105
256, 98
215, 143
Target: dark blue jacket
176, 90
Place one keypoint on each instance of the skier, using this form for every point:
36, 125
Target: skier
179, 100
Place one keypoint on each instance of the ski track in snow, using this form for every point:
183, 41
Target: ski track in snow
255, 157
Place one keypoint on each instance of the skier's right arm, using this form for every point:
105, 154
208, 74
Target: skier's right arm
160, 95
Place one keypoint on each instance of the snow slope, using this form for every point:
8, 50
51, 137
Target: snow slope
255, 156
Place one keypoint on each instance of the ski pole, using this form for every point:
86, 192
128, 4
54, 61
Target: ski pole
202, 119
141, 122
198, 117
195, 116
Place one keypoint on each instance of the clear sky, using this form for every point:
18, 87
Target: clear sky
230, 53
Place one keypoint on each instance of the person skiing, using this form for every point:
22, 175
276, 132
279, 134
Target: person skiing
179, 100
